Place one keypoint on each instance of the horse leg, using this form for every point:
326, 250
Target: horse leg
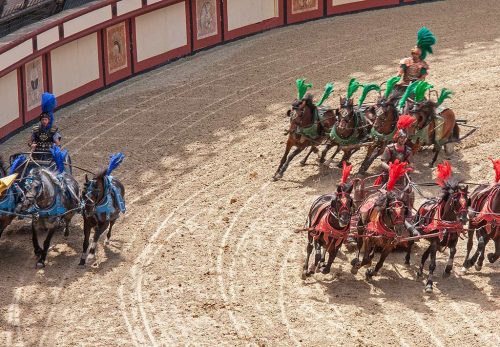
452, 245
432, 266
86, 236
408, 252
470, 242
372, 153
303, 161
436, 150
482, 249
347, 155
46, 245
385, 252
309, 249
425, 255
329, 161
288, 160
289, 145
317, 256
323, 257
331, 257
34, 238
328, 146
493, 257
93, 246
108, 235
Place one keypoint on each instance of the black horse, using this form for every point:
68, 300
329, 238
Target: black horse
51, 198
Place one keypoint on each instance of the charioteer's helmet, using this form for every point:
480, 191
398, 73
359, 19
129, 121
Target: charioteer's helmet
44, 115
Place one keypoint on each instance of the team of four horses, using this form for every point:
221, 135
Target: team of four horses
40, 185
380, 216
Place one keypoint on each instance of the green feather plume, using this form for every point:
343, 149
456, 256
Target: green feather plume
353, 87
445, 94
302, 87
420, 89
326, 93
425, 41
410, 89
391, 82
366, 89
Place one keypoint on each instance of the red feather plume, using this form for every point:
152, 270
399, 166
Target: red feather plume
396, 171
496, 167
443, 173
346, 171
405, 121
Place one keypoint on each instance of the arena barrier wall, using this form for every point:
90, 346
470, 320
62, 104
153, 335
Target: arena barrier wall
93, 47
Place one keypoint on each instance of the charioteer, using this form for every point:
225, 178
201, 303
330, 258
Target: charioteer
45, 134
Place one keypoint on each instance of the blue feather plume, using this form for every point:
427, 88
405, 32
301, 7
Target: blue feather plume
114, 161
20, 159
49, 104
59, 157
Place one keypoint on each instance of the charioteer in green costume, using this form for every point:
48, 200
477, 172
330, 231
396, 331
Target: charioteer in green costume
415, 68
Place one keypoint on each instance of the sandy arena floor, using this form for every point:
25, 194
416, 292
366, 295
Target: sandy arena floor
207, 253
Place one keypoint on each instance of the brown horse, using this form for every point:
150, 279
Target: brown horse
381, 220
351, 129
328, 225
445, 217
485, 220
433, 129
309, 127
385, 116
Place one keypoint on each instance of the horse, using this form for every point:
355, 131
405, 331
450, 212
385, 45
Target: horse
385, 115
52, 198
9, 199
433, 129
309, 126
381, 221
328, 225
445, 217
485, 221
351, 129
103, 200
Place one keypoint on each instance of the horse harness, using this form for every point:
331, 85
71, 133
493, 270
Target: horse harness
486, 214
111, 194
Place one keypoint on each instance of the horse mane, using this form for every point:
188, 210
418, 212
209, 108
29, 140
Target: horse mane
101, 172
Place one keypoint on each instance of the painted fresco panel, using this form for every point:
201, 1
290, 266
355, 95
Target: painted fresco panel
206, 18
34, 83
300, 6
117, 47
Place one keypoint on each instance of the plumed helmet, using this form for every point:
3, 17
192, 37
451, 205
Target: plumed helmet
44, 115
400, 133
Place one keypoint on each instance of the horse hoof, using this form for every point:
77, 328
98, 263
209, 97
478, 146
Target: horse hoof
368, 274
304, 275
419, 274
107, 241
463, 270
354, 270
446, 274
407, 264
326, 270
39, 265
82, 262
428, 289
277, 176
477, 267
302, 163
491, 257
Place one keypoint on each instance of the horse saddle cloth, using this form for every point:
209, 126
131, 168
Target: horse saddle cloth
478, 198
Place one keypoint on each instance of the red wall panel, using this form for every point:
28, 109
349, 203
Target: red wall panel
254, 28
360, 5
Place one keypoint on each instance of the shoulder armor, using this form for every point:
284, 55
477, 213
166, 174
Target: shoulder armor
36, 127
405, 61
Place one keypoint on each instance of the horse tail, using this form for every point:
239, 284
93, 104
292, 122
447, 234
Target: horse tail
456, 132
3, 169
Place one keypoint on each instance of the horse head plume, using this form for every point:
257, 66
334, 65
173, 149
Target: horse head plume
443, 173
353, 86
59, 157
366, 89
391, 82
420, 89
405, 121
445, 94
425, 41
114, 161
397, 170
346, 171
326, 93
20, 160
410, 89
49, 104
496, 167
302, 87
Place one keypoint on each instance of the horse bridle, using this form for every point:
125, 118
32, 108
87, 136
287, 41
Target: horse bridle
459, 196
343, 205
398, 207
